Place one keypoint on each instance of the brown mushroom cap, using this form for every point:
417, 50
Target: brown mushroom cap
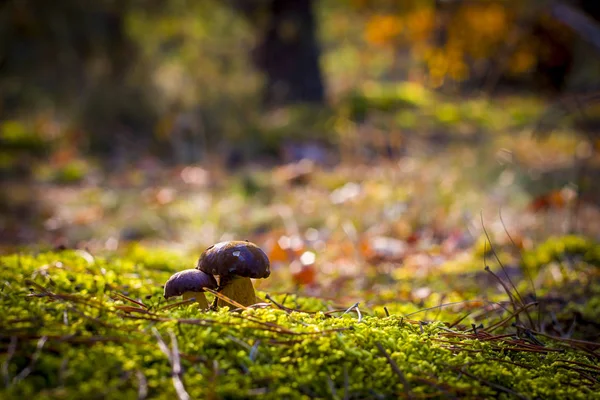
240, 258
189, 280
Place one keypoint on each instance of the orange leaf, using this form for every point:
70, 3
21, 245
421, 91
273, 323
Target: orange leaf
303, 274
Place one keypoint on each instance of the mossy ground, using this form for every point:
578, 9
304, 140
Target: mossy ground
76, 326
386, 213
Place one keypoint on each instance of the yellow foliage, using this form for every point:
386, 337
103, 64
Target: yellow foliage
476, 31
438, 63
522, 60
488, 20
458, 70
479, 29
420, 23
382, 30
471, 32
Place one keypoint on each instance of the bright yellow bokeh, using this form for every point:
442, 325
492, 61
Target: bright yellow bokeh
383, 30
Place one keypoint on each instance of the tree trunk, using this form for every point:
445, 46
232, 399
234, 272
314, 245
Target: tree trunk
288, 54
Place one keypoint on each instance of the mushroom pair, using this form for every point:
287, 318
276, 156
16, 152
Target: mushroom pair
234, 263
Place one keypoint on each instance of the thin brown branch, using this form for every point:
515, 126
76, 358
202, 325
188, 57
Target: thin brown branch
12, 347
396, 369
226, 299
560, 339
139, 303
173, 357
491, 384
578, 21
523, 269
177, 304
580, 364
511, 316
518, 295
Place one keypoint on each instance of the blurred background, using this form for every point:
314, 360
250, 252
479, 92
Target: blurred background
333, 133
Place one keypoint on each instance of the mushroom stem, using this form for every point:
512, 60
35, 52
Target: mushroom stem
239, 289
199, 296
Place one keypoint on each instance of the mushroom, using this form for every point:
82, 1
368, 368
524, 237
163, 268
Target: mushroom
235, 262
190, 283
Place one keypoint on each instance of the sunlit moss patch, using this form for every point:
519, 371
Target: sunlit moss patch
76, 326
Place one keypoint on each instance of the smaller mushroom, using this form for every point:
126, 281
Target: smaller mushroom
190, 283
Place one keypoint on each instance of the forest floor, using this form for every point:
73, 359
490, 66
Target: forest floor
379, 285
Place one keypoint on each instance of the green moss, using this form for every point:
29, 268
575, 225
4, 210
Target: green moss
387, 97
571, 248
68, 332
15, 136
